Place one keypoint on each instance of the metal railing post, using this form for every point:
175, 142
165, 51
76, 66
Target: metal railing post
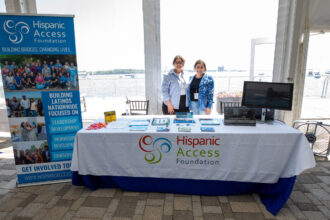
325, 87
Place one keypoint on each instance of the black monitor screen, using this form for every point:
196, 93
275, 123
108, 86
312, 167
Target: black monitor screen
267, 95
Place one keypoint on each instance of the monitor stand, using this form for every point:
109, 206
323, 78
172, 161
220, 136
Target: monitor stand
263, 117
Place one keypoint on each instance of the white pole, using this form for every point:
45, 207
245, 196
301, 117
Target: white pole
13, 6
291, 52
152, 54
29, 6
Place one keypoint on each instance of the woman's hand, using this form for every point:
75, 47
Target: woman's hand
208, 111
170, 109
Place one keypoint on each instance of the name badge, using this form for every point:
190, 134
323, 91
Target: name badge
196, 95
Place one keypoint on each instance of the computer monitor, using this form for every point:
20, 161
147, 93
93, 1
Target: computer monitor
267, 95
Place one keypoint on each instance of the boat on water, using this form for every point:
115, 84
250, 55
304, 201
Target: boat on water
317, 75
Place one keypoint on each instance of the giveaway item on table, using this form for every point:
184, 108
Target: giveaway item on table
209, 121
97, 126
110, 116
138, 128
184, 129
139, 122
184, 115
162, 129
207, 129
184, 121
161, 121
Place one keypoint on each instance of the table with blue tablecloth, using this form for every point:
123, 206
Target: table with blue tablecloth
263, 159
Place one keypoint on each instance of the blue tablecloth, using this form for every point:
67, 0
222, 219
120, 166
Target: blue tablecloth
273, 196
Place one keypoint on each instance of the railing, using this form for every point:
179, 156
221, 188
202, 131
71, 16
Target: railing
325, 87
113, 86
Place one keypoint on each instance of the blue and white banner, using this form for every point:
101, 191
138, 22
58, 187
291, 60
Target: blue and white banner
40, 80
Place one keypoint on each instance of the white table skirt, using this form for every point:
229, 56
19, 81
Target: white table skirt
262, 153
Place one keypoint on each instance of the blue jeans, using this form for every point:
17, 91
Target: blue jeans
26, 112
33, 113
195, 110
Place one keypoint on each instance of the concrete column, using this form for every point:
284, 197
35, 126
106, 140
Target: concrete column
291, 52
29, 6
13, 6
152, 54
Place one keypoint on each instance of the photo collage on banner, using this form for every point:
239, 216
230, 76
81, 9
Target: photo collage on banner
40, 80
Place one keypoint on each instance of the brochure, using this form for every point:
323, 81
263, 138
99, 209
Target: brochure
184, 115
209, 121
162, 129
138, 128
139, 122
184, 129
184, 120
207, 129
161, 121
119, 124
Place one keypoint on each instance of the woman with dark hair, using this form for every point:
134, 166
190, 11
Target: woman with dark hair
10, 81
174, 89
28, 157
200, 90
18, 81
22, 132
40, 81
40, 108
22, 159
30, 130
33, 108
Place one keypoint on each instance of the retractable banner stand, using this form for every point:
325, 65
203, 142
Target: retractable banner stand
40, 80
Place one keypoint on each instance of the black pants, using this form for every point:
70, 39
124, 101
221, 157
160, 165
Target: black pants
182, 106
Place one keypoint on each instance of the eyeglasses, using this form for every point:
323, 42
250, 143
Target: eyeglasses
178, 62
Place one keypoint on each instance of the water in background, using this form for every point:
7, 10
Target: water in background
109, 92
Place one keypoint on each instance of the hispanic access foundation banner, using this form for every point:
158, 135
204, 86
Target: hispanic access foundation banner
40, 81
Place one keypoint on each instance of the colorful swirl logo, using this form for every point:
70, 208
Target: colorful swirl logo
16, 31
154, 149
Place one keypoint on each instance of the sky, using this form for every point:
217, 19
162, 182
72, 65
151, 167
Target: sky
109, 33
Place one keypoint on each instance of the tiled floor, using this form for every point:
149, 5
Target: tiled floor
310, 199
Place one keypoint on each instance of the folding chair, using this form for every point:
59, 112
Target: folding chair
139, 107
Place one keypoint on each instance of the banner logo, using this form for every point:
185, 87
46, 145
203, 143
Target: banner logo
154, 149
16, 31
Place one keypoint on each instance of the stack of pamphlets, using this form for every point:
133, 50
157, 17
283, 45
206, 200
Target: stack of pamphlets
184, 121
209, 121
138, 128
207, 129
162, 129
184, 115
161, 121
184, 129
139, 122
